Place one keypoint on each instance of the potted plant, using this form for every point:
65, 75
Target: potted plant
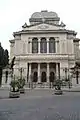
21, 82
14, 89
58, 84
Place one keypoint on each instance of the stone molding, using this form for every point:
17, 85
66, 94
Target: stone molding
45, 57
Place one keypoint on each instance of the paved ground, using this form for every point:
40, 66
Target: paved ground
40, 105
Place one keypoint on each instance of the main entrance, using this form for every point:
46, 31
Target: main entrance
35, 77
51, 77
43, 77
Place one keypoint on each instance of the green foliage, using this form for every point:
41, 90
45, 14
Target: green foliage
6, 57
4, 60
21, 82
1, 56
14, 85
58, 84
12, 62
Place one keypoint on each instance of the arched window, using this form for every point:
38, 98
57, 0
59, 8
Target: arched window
34, 45
43, 45
35, 77
51, 77
43, 77
51, 45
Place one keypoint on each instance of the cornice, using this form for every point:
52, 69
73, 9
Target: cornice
44, 31
45, 57
76, 39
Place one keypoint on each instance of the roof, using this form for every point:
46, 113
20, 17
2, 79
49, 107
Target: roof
25, 25
44, 14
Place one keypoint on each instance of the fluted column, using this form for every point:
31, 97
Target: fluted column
39, 79
47, 45
47, 72
39, 45
29, 72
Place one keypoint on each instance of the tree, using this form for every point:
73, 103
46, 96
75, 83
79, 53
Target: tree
6, 57
4, 60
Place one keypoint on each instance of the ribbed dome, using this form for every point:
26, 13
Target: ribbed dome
44, 14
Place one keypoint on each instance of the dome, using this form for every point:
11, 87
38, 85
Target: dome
44, 14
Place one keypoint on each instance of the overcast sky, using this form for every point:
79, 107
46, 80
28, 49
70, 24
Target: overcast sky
14, 13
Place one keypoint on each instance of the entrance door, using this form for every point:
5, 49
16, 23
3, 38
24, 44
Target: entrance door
35, 77
51, 77
43, 77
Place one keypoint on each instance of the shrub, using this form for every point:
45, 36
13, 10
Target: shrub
58, 84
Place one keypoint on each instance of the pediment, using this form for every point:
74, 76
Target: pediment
43, 26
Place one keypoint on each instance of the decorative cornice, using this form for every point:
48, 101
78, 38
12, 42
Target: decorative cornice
46, 57
13, 40
76, 39
44, 31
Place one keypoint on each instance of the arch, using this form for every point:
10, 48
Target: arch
43, 45
51, 77
43, 77
34, 45
52, 45
35, 76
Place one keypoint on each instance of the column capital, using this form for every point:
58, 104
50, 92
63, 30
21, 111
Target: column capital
47, 39
39, 39
56, 39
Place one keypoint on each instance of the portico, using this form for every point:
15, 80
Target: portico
43, 72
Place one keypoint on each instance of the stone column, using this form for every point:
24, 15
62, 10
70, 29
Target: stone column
47, 45
57, 74
26, 72
39, 77
30, 45
29, 72
39, 45
57, 44
48, 72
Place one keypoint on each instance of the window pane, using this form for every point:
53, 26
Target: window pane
43, 46
52, 45
35, 45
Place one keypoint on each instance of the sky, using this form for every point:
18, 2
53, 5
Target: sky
14, 13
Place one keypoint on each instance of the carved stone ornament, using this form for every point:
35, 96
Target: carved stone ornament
43, 26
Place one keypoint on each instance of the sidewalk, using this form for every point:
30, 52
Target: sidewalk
75, 88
